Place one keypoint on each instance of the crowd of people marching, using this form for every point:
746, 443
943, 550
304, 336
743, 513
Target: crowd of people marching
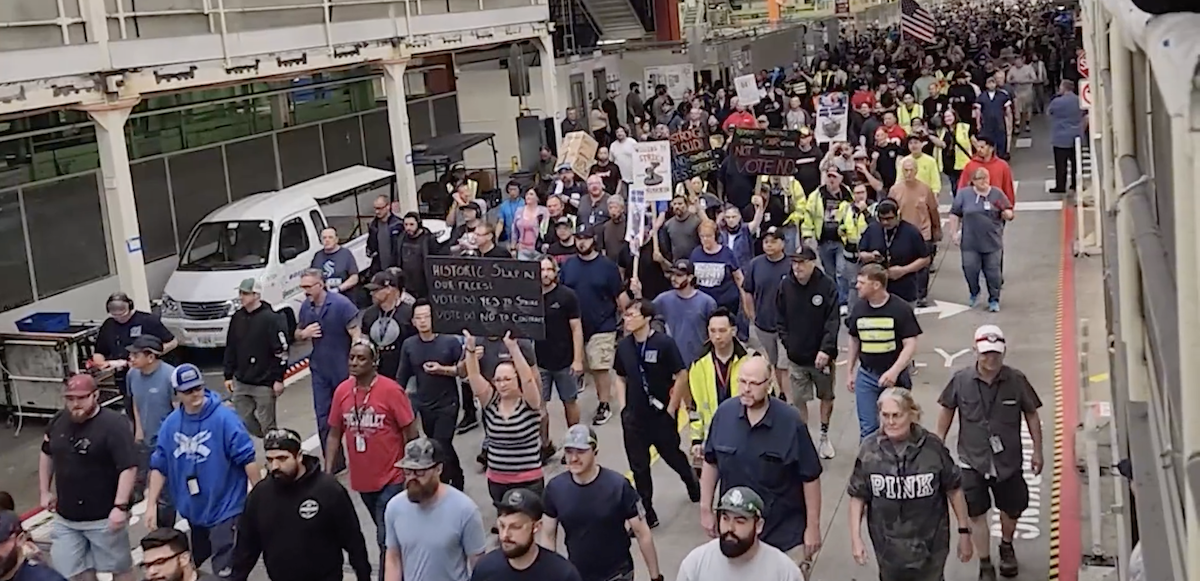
723, 321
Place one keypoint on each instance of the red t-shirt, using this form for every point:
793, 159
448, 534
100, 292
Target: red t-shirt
999, 172
377, 416
896, 132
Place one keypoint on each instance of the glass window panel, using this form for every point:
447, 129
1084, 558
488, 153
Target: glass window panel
317, 104
379, 139
343, 144
216, 123
69, 151
197, 186
420, 124
15, 158
66, 233
251, 167
15, 288
300, 155
155, 134
445, 115
153, 201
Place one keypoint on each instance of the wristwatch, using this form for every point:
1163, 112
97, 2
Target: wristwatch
964, 531
659, 578
124, 507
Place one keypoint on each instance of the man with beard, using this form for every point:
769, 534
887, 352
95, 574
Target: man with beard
562, 246
377, 419
298, 510
433, 531
597, 532
682, 230
596, 281
89, 455
685, 311
759, 442
15, 563
385, 233
167, 556
416, 243
737, 552
608, 172
560, 353
519, 557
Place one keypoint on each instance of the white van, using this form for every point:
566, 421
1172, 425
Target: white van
272, 237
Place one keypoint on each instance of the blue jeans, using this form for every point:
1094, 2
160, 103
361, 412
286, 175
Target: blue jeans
833, 262
376, 503
215, 542
987, 262
322, 394
866, 397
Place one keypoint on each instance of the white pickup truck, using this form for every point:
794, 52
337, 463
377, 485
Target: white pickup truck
272, 237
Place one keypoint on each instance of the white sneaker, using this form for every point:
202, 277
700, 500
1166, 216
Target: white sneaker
843, 310
825, 448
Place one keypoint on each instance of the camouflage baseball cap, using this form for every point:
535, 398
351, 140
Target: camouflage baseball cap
579, 437
741, 500
421, 454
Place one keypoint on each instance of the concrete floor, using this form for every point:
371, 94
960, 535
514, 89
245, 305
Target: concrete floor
1033, 254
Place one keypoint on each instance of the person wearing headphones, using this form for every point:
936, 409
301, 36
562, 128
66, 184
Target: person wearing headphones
124, 325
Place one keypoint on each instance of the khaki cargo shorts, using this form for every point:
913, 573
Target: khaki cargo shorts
600, 350
810, 382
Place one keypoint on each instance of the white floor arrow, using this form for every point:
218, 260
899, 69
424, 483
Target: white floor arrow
948, 357
943, 309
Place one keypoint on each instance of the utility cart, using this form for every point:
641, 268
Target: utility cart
35, 365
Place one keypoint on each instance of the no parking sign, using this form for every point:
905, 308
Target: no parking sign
1085, 94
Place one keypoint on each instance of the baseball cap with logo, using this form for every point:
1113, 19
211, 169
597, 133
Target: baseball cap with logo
989, 339
81, 384
146, 344
421, 454
10, 525
186, 377
774, 232
521, 501
742, 501
579, 437
382, 280
250, 285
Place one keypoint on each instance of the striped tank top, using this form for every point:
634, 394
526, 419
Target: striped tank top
514, 442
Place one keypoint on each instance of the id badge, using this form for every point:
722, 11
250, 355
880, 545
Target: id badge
652, 356
360, 444
193, 486
658, 405
987, 206
997, 445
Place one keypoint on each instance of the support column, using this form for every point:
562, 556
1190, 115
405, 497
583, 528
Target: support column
545, 46
123, 230
397, 108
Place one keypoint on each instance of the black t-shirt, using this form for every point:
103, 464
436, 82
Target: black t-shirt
388, 330
650, 273
900, 247
557, 350
593, 517
88, 460
433, 391
886, 164
889, 325
561, 252
648, 368
547, 566
113, 337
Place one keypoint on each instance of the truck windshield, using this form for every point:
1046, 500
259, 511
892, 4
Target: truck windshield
228, 246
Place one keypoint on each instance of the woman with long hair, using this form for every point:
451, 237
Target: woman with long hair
956, 136
528, 223
905, 481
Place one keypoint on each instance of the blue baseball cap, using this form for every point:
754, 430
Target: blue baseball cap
186, 377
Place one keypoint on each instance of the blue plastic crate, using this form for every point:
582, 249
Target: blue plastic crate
45, 323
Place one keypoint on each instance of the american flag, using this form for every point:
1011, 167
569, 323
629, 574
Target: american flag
916, 21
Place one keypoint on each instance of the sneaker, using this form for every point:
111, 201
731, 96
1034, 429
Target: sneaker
972, 301
993, 306
603, 414
987, 572
468, 423
922, 302
825, 447
843, 310
1008, 560
651, 518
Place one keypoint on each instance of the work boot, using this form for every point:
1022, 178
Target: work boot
986, 571
1008, 560
693, 489
651, 517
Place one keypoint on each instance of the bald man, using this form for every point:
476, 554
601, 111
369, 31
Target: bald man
337, 264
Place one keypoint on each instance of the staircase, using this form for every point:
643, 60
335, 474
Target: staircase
617, 20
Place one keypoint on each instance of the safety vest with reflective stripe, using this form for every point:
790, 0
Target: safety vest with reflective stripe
904, 115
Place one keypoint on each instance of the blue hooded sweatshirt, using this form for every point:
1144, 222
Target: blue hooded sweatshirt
213, 447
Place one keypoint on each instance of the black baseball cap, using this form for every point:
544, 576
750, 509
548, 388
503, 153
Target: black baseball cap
586, 231
773, 232
146, 344
10, 525
804, 253
382, 279
283, 439
562, 221
521, 501
683, 266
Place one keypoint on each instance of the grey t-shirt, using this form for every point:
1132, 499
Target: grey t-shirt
593, 213
707, 562
761, 280
152, 397
982, 224
435, 541
335, 267
687, 321
683, 236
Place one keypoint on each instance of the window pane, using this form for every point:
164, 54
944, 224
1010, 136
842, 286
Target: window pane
198, 187
379, 139
251, 167
15, 289
66, 233
215, 123
310, 105
155, 134
300, 155
293, 239
343, 144
420, 126
153, 209
445, 115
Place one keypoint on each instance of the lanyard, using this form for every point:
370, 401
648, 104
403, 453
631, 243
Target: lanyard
988, 406
641, 361
358, 410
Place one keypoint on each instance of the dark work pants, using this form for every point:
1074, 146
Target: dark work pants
439, 425
1064, 168
468, 399
923, 274
642, 430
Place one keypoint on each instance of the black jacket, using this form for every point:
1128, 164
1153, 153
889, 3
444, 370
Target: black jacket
395, 228
256, 349
906, 491
808, 317
300, 529
412, 252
